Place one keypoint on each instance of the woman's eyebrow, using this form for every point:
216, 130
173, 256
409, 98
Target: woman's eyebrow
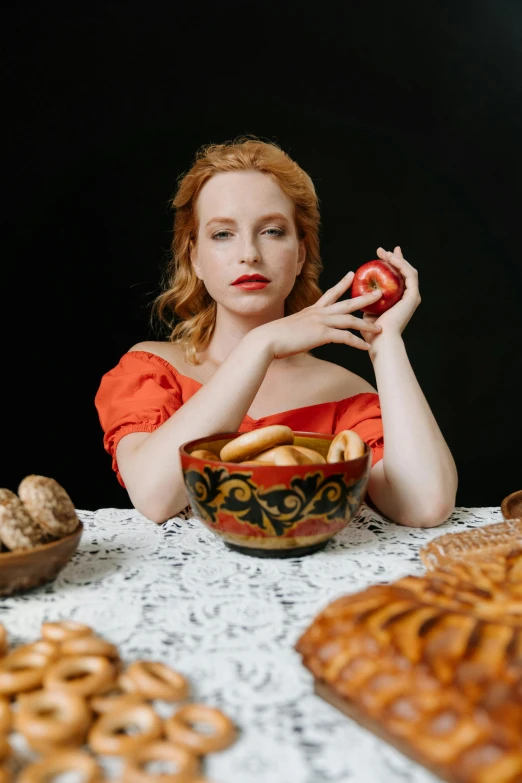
263, 219
220, 220
273, 216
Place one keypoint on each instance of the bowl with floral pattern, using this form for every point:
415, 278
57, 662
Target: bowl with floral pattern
273, 510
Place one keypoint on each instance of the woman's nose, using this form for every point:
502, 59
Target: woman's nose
249, 252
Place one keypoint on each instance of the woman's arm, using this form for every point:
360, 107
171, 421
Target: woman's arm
149, 462
416, 481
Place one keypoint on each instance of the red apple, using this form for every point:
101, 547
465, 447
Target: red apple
381, 275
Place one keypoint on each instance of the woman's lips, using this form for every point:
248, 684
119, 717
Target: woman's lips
251, 285
251, 282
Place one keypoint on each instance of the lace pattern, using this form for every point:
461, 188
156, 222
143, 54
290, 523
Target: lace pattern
229, 622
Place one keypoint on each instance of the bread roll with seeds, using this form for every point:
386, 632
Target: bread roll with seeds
18, 529
49, 505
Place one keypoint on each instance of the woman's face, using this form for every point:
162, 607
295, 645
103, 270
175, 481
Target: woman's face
247, 230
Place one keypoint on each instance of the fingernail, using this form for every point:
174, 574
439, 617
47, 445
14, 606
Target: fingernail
368, 345
348, 274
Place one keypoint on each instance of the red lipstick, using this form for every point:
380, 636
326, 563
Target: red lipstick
251, 282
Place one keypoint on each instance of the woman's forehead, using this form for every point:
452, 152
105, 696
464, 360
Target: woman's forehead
239, 194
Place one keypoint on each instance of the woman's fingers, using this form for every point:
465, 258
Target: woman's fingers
333, 294
346, 321
358, 302
347, 338
352, 305
397, 260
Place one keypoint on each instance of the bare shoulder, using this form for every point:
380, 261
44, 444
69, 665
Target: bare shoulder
340, 382
165, 350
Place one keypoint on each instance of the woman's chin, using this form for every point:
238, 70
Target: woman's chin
255, 308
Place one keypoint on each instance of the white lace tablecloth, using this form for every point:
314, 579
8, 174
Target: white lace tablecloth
229, 622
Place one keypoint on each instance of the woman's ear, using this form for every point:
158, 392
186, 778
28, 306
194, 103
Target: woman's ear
302, 256
193, 252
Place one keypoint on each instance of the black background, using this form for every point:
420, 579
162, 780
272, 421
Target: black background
408, 117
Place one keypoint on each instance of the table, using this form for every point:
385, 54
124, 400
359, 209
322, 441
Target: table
175, 593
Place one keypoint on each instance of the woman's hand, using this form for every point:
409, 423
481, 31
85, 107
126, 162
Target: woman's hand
394, 320
327, 321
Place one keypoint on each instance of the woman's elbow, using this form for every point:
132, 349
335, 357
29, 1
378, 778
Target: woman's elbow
157, 511
429, 514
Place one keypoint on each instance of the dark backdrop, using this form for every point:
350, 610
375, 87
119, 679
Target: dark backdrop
407, 116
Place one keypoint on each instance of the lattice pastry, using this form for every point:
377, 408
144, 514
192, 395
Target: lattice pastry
483, 544
434, 665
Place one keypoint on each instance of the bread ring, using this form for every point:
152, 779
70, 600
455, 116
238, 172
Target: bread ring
59, 763
49, 719
49, 505
126, 684
4, 645
187, 764
204, 454
289, 455
247, 445
345, 446
107, 734
18, 529
5, 748
155, 680
115, 699
65, 629
90, 645
42, 646
84, 675
180, 730
5, 716
20, 672
314, 455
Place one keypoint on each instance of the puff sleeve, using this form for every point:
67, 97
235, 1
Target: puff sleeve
138, 395
362, 413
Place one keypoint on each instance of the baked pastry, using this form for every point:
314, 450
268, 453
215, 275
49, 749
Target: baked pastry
433, 664
488, 543
203, 454
49, 505
18, 530
64, 691
248, 444
345, 446
289, 455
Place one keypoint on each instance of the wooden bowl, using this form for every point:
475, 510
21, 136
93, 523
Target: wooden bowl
30, 568
511, 506
274, 510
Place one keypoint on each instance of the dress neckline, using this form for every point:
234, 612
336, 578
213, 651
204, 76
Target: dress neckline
250, 418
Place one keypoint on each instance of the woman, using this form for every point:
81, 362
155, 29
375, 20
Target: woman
243, 291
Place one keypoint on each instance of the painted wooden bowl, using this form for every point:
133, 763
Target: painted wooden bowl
274, 511
27, 568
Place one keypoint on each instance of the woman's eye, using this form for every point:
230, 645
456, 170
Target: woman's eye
221, 235
278, 232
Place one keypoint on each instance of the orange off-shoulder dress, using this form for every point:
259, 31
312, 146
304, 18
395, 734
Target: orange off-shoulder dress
144, 390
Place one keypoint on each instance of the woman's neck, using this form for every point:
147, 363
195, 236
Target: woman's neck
229, 330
